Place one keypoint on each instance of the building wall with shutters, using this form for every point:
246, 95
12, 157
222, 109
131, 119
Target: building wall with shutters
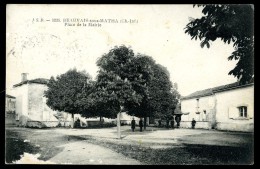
227, 112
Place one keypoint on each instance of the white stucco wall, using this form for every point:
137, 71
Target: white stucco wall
206, 103
31, 105
37, 107
21, 108
232, 99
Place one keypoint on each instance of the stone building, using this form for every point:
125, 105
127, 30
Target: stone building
228, 107
9, 109
31, 108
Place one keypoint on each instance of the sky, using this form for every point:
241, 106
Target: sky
45, 49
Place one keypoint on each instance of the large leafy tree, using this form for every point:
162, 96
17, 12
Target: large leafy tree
230, 23
165, 96
141, 74
135, 82
159, 97
113, 87
69, 92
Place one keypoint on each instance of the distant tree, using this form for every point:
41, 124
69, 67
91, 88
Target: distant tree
159, 97
230, 23
163, 96
69, 92
141, 74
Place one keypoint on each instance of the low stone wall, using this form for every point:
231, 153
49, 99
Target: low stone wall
42, 124
10, 118
50, 123
244, 127
92, 123
65, 124
199, 124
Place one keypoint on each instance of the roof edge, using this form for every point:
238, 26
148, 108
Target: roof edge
38, 81
7, 95
234, 87
192, 97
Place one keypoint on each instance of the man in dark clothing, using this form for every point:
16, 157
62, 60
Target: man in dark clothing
178, 119
193, 122
133, 125
141, 124
172, 123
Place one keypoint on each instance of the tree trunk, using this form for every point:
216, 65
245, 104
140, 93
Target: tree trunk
145, 122
72, 121
118, 126
100, 121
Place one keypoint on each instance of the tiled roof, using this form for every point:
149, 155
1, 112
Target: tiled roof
9, 96
199, 93
38, 80
210, 91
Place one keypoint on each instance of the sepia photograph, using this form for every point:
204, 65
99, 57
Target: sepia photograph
150, 84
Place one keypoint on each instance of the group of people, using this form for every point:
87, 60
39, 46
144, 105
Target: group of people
193, 122
177, 119
140, 125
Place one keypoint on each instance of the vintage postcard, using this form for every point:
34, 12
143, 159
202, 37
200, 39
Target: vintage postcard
129, 84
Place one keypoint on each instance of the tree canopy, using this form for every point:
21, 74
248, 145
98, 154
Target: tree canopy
114, 85
135, 82
69, 92
125, 82
230, 23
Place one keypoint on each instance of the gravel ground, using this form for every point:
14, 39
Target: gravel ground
153, 147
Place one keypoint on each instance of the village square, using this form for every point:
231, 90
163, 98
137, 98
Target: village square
118, 102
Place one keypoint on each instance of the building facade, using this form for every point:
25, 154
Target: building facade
228, 107
31, 108
9, 109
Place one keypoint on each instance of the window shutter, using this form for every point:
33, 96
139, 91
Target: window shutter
233, 112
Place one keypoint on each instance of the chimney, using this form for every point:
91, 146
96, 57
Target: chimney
24, 76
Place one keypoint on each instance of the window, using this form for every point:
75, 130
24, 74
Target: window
197, 108
242, 111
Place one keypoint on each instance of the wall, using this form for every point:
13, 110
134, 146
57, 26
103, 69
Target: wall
21, 108
10, 111
198, 125
206, 107
227, 102
42, 124
37, 107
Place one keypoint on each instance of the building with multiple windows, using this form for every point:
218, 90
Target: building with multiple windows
228, 107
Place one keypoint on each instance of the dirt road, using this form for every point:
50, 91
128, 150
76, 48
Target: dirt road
154, 146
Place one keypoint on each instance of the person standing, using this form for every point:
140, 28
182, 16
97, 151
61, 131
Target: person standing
141, 124
193, 122
172, 123
178, 119
133, 125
